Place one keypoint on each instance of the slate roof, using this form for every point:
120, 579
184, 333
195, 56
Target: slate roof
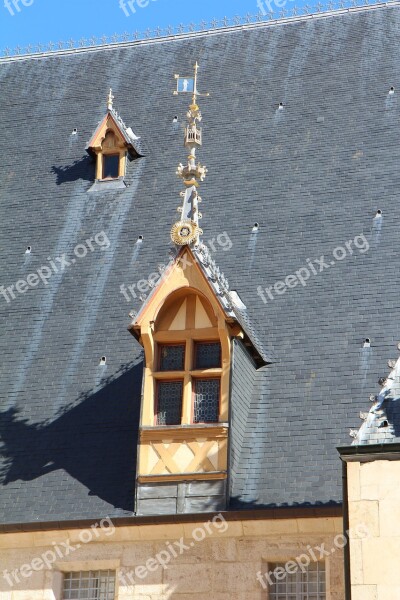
381, 423
313, 175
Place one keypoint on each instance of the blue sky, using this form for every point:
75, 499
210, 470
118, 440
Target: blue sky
44, 21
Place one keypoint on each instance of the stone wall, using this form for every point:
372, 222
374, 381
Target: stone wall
374, 504
222, 566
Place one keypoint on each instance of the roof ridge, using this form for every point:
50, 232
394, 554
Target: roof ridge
225, 25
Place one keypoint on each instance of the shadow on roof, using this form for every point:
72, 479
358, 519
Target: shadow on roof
95, 442
83, 168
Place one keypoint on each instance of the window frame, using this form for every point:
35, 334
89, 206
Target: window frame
188, 375
77, 575
162, 345
156, 401
106, 155
194, 380
300, 593
194, 354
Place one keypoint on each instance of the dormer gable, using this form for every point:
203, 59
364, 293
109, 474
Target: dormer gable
111, 144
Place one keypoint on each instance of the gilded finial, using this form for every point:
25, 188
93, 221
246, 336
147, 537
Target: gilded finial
187, 231
110, 100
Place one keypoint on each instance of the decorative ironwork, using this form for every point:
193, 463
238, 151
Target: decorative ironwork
208, 355
248, 19
305, 584
172, 357
89, 585
169, 402
206, 400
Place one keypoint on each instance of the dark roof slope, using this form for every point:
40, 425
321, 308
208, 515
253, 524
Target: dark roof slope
313, 175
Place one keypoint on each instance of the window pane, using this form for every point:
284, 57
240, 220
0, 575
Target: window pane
172, 357
111, 166
169, 403
309, 585
90, 585
208, 355
206, 400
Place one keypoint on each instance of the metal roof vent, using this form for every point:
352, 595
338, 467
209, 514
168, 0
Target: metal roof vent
140, 239
28, 250
280, 107
175, 119
103, 361
367, 343
391, 91
378, 214
74, 131
256, 228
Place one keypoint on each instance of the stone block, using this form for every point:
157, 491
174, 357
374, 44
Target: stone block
364, 513
364, 592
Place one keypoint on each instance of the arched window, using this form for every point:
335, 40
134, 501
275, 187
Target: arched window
188, 362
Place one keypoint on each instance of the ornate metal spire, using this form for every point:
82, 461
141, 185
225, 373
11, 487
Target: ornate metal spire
187, 230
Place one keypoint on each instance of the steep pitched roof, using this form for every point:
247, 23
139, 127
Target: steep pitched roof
312, 174
381, 423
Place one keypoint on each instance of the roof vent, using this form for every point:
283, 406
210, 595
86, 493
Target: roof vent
103, 361
384, 424
28, 250
175, 119
382, 381
367, 343
256, 227
280, 107
391, 91
140, 238
378, 213
392, 364
74, 131
133, 314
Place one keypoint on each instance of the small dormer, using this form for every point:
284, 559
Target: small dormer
112, 144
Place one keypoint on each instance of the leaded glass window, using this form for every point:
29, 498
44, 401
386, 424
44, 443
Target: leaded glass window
169, 402
89, 585
172, 357
206, 400
207, 355
299, 585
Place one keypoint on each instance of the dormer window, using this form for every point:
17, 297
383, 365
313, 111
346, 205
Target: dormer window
111, 145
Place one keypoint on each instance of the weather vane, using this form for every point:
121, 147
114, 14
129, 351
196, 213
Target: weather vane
187, 231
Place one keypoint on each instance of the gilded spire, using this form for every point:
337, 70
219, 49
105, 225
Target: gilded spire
187, 231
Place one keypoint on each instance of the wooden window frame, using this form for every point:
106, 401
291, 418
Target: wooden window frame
163, 345
156, 388
106, 155
199, 378
199, 342
188, 375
